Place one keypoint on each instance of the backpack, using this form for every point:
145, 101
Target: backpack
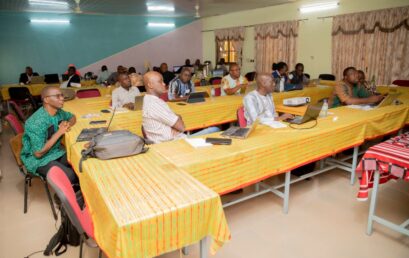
66, 235
114, 144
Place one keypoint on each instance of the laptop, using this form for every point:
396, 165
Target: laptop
388, 100
240, 133
89, 133
51, 78
37, 80
218, 73
197, 97
138, 103
312, 113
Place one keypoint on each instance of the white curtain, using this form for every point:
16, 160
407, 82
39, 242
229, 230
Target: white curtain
234, 35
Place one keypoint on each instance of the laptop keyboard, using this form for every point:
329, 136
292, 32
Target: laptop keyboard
240, 132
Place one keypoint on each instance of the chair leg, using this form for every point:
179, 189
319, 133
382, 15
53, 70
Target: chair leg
81, 245
26, 180
50, 200
99, 253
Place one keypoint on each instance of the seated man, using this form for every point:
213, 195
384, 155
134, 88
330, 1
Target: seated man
371, 87
25, 78
233, 83
103, 75
74, 79
113, 78
348, 92
259, 103
42, 136
124, 95
180, 87
297, 77
167, 76
159, 122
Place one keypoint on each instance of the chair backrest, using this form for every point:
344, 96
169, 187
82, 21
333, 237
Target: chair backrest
14, 124
90, 93
327, 77
19, 93
403, 83
16, 144
250, 76
307, 75
16, 108
165, 97
81, 219
241, 118
215, 80
217, 92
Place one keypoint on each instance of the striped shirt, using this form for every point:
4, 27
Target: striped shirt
177, 88
258, 106
158, 120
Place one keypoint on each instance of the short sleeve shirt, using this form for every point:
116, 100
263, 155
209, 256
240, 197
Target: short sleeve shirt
258, 106
38, 130
228, 83
342, 92
120, 96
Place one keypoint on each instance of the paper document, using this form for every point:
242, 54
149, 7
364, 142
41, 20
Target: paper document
272, 123
198, 142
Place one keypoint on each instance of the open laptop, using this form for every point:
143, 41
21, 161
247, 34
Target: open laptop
88, 133
388, 100
312, 113
197, 97
240, 133
37, 80
218, 73
51, 78
138, 103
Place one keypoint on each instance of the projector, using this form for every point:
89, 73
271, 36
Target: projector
294, 102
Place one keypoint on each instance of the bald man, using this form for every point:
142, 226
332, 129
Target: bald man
234, 82
259, 103
159, 122
42, 136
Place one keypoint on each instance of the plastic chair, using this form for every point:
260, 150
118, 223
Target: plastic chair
17, 110
327, 77
80, 218
250, 76
215, 80
89, 93
15, 125
164, 97
241, 118
16, 146
403, 83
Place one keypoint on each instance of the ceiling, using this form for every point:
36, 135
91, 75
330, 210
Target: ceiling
183, 8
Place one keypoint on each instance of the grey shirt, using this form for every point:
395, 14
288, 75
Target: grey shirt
258, 106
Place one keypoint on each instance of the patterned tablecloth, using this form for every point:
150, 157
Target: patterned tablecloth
390, 158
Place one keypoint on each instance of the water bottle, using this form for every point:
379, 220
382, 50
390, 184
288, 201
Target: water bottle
324, 109
212, 91
373, 84
282, 84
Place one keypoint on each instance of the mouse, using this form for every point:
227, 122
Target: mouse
105, 111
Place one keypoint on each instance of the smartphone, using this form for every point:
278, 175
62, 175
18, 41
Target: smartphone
218, 141
96, 122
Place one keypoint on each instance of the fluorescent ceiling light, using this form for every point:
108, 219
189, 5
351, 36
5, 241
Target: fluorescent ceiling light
161, 24
161, 8
48, 21
55, 4
318, 7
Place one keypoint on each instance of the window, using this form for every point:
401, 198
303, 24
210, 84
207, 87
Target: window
227, 52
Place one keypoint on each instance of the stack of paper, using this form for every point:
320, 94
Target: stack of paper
198, 142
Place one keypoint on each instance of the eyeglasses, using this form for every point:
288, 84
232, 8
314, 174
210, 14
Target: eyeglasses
58, 96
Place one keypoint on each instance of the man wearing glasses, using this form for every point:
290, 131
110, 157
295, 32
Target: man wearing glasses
42, 136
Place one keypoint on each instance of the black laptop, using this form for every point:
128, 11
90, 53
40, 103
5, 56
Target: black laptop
51, 78
197, 97
88, 133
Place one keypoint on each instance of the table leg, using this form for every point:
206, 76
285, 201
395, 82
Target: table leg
286, 191
322, 163
203, 248
257, 187
372, 206
354, 163
185, 250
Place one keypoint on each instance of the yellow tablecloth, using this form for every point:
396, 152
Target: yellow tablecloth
268, 151
143, 206
35, 89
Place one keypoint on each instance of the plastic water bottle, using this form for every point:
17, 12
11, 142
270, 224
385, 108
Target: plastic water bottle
282, 84
212, 93
324, 109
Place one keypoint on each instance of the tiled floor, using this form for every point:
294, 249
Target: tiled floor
324, 220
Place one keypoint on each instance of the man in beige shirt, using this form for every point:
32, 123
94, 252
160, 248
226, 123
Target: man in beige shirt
159, 122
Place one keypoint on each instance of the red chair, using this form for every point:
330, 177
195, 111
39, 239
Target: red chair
90, 93
403, 83
165, 97
19, 112
217, 92
215, 80
15, 125
241, 118
80, 218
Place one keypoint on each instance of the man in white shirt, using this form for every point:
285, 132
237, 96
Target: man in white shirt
159, 122
259, 103
124, 96
233, 83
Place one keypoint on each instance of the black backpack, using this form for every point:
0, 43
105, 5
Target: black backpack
66, 235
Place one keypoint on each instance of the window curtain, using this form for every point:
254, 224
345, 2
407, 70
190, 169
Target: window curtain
376, 42
275, 42
234, 35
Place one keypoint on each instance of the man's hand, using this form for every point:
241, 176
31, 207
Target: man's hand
375, 98
285, 116
63, 128
129, 106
